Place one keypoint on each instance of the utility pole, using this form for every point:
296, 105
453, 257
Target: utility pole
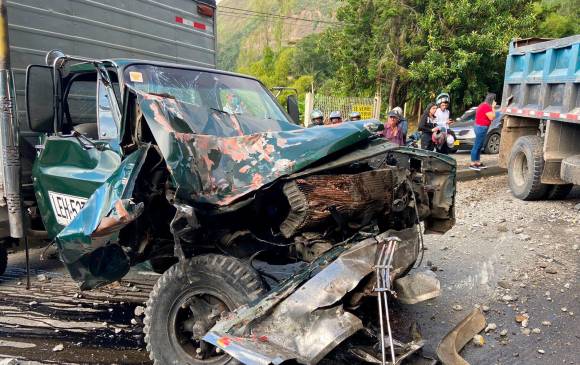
9, 140
9, 132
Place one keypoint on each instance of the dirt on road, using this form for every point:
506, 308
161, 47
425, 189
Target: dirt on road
517, 260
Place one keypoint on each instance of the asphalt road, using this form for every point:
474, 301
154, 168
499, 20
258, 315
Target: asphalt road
514, 257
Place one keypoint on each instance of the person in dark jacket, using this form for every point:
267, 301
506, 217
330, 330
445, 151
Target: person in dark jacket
428, 125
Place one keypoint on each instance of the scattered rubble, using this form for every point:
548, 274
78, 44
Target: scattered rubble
11, 361
478, 340
139, 311
536, 331
414, 288
58, 348
42, 277
490, 327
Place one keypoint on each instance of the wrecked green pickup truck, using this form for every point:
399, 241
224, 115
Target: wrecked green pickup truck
270, 235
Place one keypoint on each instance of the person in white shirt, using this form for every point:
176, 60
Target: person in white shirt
443, 121
442, 113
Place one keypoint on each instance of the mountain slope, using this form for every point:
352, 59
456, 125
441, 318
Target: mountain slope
242, 35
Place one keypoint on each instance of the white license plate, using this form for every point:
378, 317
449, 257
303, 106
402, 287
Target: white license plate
65, 207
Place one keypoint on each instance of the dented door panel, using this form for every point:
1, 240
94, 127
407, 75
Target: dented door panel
88, 244
65, 174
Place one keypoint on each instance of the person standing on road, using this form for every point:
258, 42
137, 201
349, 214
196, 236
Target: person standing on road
484, 114
403, 123
428, 126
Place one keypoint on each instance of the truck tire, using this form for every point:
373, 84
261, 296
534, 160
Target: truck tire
570, 170
525, 167
558, 192
193, 294
492, 144
3, 259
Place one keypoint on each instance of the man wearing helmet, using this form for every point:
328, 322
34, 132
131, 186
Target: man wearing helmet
354, 116
316, 118
335, 117
442, 113
403, 122
445, 140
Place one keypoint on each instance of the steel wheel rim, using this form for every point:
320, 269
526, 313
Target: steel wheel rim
181, 338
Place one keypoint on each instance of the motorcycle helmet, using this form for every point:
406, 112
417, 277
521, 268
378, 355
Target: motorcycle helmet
441, 98
316, 114
354, 116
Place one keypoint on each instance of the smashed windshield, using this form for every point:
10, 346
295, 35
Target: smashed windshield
215, 104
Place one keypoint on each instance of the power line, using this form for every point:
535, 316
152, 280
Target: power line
264, 14
254, 16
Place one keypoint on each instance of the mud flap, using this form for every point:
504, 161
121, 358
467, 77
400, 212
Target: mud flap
88, 246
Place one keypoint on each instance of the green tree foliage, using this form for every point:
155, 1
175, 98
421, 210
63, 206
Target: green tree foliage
466, 43
410, 50
558, 18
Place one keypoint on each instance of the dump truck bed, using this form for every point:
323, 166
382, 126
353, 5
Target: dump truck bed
542, 79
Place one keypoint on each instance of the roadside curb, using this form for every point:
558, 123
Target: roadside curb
467, 174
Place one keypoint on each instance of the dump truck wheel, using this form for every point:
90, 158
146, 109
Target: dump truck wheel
525, 167
3, 259
558, 192
188, 300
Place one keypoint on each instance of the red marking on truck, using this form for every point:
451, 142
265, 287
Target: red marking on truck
191, 23
541, 114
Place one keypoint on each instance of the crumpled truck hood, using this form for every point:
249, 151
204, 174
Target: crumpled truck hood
222, 167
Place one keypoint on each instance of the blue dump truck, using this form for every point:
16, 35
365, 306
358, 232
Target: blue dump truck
540, 144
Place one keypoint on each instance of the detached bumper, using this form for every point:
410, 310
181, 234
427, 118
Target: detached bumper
282, 325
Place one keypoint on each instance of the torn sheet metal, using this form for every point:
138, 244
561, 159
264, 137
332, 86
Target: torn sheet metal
220, 165
85, 245
454, 341
285, 331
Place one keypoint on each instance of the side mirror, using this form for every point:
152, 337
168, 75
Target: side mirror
40, 98
292, 107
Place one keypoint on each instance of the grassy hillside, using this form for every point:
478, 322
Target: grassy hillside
242, 38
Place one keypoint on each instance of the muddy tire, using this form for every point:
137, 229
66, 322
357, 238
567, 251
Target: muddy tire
187, 301
492, 144
525, 167
3, 259
558, 192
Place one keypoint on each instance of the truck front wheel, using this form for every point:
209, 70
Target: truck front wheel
525, 167
188, 299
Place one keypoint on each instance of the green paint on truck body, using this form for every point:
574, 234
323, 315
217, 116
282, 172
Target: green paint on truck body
216, 158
